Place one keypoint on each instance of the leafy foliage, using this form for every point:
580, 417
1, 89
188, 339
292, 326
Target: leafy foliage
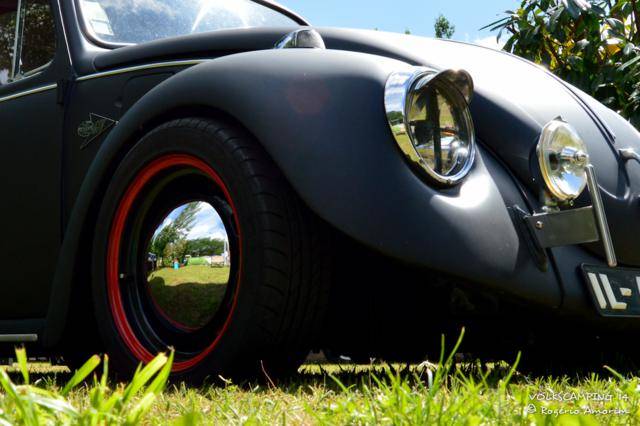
443, 27
185, 220
589, 43
166, 236
38, 38
31, 405
7, 34
205, 247
170, 243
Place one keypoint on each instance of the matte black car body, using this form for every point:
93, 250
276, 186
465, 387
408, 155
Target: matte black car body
320, 115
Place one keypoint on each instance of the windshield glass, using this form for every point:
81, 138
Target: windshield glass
139, 21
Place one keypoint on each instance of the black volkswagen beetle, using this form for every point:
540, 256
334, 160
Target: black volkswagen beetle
223, 179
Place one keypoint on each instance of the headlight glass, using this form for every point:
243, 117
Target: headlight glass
430, 118
563, 158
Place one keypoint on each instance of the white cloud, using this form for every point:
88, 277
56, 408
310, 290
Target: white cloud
207, 224
201, 230
490, 42
208, 230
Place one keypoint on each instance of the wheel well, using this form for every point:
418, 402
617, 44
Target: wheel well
80, 286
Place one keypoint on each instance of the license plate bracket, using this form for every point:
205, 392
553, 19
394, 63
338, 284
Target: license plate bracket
615, 291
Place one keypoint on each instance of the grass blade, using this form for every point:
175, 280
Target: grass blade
21, 357
25, 409
158, 384
143, 376
82, 373
139, 410
55, 404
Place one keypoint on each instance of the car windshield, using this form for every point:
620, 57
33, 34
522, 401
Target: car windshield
139, 21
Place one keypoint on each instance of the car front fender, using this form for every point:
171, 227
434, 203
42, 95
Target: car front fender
320, 115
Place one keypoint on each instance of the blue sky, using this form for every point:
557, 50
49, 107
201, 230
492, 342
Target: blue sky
207, 224
417, 15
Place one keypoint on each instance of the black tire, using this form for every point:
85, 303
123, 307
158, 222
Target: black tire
279, 286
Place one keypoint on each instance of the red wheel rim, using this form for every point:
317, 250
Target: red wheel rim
138, 350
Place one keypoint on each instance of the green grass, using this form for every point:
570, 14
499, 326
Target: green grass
198, 274
442, 393
189, 295
45, 402
341, 395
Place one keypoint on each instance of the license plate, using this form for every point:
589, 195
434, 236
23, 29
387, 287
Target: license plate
615, 291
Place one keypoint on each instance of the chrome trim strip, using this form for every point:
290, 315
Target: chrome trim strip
284, 10
142, 67
601, 216
29, 92
17, 338
17, 40
64, 33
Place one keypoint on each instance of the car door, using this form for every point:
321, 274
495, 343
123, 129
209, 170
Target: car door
31, 120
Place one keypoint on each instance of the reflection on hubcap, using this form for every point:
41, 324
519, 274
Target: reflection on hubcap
188, 265
149, 319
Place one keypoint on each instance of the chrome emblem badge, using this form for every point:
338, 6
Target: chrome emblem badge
90, 129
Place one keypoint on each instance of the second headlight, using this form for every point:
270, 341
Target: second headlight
429, 116
563, 158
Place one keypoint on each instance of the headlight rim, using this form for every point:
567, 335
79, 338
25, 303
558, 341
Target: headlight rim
398, 94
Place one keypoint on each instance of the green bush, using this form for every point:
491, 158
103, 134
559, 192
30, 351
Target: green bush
592, 44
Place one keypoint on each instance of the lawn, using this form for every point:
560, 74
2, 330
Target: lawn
383, 394
189, 295
447, 392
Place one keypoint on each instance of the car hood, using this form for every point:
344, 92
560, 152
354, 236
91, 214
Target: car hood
513, 100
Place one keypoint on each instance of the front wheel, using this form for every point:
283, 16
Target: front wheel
202, 246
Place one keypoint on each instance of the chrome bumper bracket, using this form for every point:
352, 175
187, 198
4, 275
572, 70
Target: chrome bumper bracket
563, 228
601, 217
573, 226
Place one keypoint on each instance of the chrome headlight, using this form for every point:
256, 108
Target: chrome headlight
429, 115
563, 159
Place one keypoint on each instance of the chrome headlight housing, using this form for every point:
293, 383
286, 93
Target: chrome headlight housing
428, 112
563, 160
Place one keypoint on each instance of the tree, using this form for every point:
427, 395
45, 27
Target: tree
171, 241
205, 247
165, 237
183, 223
7, 34
38, 37
175, 250
443, 27
589, 43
